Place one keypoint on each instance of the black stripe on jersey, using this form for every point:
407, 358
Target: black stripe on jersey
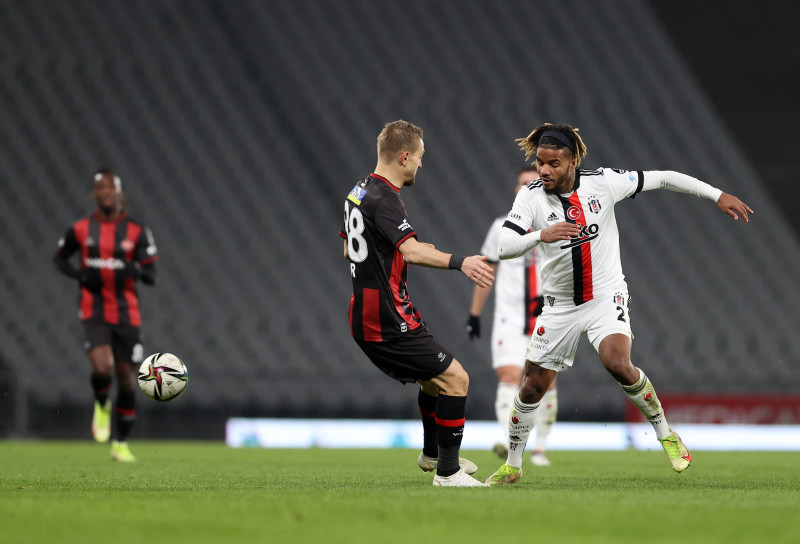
595, 172
640, 174
577, 260
516, 228
535, 184
94, 253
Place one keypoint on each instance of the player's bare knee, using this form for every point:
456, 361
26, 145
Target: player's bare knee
531, 392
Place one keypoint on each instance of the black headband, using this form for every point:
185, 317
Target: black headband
560, 137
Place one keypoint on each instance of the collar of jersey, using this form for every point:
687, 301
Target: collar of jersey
389, 183
101, 220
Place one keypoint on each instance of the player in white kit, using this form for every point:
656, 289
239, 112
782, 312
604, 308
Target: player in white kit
568, 216
518, 302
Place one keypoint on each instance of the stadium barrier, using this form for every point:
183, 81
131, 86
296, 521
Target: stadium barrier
481, 435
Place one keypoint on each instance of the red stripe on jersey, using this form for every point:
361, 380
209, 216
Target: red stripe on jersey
399, 268
108, 274
371, 314
81, 230
350, 313
531, 297
451, 422
129, 291
587, 289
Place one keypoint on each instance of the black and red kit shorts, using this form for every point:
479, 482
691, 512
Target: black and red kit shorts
125, 340
410, 357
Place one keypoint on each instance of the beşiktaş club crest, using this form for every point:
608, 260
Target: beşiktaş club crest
619, 299
594, 204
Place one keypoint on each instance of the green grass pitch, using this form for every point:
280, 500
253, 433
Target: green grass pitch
203, 492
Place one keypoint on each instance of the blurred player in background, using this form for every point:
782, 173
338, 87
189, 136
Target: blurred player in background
517, 304
568, 215
379, 243
115, 251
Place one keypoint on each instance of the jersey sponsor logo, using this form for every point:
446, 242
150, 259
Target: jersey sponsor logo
512, 215
552, 217
356, 195
404, 225
90, 242
587, 234
551, 300
573, 212
104, 264
594, 204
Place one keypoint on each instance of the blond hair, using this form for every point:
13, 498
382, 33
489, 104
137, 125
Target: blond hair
530, 144
398, 136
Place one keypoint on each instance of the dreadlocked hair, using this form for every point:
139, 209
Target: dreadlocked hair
534, 140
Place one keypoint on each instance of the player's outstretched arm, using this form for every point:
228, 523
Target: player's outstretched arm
422, 254
734, 207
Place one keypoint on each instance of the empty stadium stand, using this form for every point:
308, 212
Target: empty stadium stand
239, 127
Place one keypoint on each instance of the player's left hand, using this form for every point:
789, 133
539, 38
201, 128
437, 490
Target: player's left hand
473, 326
734, 207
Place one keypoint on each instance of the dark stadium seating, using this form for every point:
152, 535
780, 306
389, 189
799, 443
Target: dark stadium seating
239, 127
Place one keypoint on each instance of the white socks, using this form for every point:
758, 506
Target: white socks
643, 396
504, 401
520, 424
545, 417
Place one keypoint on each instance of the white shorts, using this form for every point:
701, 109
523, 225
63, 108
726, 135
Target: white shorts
559, 329
509, 347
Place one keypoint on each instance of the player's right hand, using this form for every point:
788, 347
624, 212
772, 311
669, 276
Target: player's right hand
473, 326
476, 269
560, 231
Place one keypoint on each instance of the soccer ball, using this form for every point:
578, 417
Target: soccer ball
163, 377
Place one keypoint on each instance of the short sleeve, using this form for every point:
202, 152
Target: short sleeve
623, 183
392, 221
521, 216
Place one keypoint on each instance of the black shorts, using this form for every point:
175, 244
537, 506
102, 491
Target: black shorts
125, 340
413, 356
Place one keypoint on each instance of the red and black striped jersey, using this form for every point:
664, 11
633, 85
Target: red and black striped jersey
105, 249
375, 224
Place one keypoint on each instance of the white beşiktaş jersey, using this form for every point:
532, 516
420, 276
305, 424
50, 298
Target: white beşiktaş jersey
516, 287
589, 265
